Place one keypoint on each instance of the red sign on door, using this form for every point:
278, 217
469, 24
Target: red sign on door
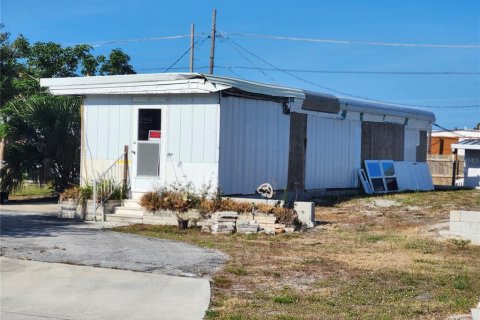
154, 135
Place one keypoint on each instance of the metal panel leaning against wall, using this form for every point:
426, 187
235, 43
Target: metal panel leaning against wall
254, 144
333, 153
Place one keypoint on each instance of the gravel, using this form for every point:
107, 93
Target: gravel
41, 237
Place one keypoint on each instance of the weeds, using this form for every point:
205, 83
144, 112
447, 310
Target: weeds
284, 299
460, 244
340, 271
236, 270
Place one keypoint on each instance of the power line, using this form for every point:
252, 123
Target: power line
184, 54
336, 71
352, 42
104, 43
341, 92
173, 68
361, 72
247, 59
445, 129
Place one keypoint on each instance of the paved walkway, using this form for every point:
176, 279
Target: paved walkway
39, 290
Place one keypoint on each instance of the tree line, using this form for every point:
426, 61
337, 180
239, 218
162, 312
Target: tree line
41, 132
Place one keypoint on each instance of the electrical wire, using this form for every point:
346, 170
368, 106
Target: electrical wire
352, 42
331, 71
173, 68
341, 92
359, 72
185, 53
451, 131
104, 43
227, 40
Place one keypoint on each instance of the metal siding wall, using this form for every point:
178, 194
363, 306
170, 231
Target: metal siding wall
333, 153
107, 126
107, 129
412, 139
192, 129
254, 140
192, 139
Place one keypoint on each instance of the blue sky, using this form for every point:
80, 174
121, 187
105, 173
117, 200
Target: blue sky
396, 21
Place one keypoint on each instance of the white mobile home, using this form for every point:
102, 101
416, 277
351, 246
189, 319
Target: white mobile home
235, 134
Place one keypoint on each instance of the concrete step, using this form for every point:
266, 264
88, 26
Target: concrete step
131, 203
124, 219
129, 211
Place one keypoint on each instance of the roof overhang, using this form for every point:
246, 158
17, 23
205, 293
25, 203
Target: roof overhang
469, 144
182, 83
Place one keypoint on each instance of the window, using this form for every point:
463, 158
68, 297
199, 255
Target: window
148, 120
382, 175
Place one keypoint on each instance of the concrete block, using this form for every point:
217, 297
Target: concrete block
455, 215
476, 313
470, 216
455, 226
225, 214
305, 212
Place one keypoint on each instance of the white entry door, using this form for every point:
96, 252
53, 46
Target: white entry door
147, 149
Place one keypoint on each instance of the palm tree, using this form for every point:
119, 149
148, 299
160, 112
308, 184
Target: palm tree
43, 137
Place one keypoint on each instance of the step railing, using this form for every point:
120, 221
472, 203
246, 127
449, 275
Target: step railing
114, 179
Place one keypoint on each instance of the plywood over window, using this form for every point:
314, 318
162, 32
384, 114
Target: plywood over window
382, 141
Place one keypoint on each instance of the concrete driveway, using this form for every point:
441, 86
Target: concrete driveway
42, 237
90, 274
39, 290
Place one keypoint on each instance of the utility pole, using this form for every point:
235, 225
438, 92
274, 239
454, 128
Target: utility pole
212, 47
192, 46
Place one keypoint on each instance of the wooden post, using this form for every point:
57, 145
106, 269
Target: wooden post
454, 167
212, 47
192, 46
125, 168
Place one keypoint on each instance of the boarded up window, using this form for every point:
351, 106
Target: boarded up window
297, 152
382, 141
422, 147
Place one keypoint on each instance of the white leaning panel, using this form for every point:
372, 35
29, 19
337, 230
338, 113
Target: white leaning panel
413, 176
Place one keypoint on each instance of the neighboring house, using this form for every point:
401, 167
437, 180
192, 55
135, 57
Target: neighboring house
441, 140
236, 134
471, 170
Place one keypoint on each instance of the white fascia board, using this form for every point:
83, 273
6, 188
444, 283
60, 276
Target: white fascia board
131, 84
466, 146
256, 87
385, 109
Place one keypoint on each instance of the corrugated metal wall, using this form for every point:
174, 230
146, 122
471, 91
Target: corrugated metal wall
190, 134
412, 140
107, 123
333, 153
192, 139
254, 142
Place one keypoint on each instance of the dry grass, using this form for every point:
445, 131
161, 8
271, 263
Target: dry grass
364, 262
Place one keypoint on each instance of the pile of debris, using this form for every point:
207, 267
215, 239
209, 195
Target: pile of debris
220, 222
227, 222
